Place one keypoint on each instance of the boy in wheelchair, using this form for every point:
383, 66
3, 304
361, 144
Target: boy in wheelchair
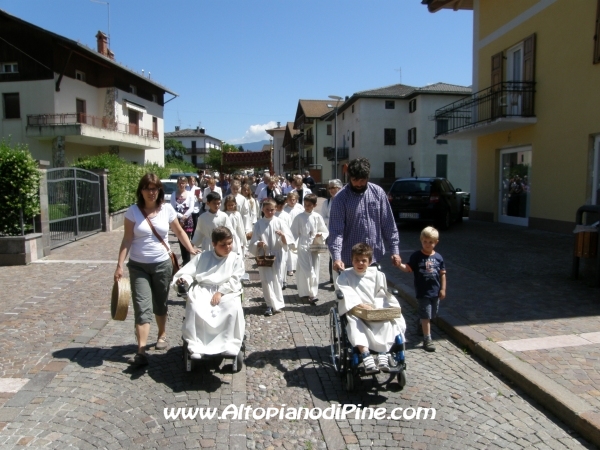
214, 319
366, 287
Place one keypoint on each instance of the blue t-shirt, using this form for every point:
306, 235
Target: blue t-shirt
427, 270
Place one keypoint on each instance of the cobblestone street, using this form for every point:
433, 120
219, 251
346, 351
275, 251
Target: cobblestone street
72, 387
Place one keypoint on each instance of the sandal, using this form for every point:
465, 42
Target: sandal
161, 343
138, 360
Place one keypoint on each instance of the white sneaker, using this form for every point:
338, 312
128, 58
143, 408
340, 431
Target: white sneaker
384, 364
195, 355
369, 364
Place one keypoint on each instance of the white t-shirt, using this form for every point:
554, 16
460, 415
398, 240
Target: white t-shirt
146, 248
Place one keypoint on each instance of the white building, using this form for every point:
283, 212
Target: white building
65, 100
197, 143
392, 127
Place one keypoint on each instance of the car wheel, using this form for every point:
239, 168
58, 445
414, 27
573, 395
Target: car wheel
445, 220
459, 219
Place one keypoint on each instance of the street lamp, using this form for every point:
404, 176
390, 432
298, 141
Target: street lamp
337, 98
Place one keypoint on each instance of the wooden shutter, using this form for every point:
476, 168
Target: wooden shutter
497, 75
597, 36
528, 74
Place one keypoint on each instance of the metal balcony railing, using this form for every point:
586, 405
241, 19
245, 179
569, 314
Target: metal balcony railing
106, 123
342, 153
506, 99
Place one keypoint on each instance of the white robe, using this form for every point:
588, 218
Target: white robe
207, 329
207, 222
240, 231
288, 221
264, 230
253, 211
370, 288
305, 227
241, 204
292, 256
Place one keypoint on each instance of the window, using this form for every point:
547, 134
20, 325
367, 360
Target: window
441, 126
412, 136
11, 67
390, 104
79, 75
329, 130
193, 146
155, 98
389, 136
597, 36
132, 89
12, 108
389, 170
441, 166
343, 114
412, 105
441, 141
352, 109
353, 139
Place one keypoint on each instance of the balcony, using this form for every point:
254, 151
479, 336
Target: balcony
342, 153
308, 140
197, 151
91, 130
504, 106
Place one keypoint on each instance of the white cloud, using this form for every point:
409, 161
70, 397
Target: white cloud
255, 133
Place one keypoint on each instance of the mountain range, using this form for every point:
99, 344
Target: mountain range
253, 146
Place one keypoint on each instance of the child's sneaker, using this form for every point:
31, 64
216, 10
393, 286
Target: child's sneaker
269, 312
384, 364
369, 364
428, 345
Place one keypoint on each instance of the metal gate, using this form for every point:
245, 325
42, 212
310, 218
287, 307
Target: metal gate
73, 204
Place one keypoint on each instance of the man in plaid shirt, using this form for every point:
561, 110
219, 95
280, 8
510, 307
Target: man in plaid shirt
360, 212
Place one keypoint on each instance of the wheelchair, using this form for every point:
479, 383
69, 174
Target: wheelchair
346, 358
216, 359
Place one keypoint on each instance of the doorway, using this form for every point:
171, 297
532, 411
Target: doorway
133, 121
515, 186
596, 173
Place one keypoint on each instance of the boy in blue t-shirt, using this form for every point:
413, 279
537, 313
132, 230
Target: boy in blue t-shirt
430, 281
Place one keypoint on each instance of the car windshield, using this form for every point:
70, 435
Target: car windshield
169, 188
411, 187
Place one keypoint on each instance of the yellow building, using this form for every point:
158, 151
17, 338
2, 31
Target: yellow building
535, 117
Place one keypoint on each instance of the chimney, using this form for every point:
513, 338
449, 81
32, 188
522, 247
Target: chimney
176, 128
278, 124
102, 42
202, 130
197, 129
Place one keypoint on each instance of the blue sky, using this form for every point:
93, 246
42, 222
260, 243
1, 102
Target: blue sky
240, 66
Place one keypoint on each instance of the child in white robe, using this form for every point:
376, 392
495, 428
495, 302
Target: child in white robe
210, 220
366, 287
305, 228
280, 200
237, 222
271, 235
214, 319
293, 208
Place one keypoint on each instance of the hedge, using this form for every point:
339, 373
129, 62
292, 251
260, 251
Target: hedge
19, 188
123, 176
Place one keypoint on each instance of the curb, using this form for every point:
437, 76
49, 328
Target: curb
568, 407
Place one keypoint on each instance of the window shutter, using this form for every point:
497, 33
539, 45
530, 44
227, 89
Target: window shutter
497, 68
528, 74
529, 58
597, 36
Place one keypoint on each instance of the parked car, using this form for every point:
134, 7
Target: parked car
428, 199
169, 187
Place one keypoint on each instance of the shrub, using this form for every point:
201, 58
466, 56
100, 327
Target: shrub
19, 188
123, 176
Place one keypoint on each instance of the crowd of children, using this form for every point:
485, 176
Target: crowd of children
277, 217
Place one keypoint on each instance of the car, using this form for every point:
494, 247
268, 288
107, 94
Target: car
169, 186
176, 175
428, 199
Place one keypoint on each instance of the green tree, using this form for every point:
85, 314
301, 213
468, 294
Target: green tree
240, 148
230, 148
213, 159
174, 150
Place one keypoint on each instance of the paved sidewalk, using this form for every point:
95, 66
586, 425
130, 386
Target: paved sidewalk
509, 288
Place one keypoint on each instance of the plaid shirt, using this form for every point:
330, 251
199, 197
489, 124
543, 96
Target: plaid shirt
365, 217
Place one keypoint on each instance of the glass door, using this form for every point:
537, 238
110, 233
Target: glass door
515, 186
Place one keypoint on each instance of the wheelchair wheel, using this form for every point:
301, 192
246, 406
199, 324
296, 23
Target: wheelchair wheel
402, 379
348, 380
238, 362
187, 361
336, 346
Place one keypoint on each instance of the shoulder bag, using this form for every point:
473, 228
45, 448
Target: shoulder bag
171, 254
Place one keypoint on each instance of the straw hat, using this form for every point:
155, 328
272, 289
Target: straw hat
121, 295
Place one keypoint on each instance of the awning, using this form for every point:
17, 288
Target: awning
135, 106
